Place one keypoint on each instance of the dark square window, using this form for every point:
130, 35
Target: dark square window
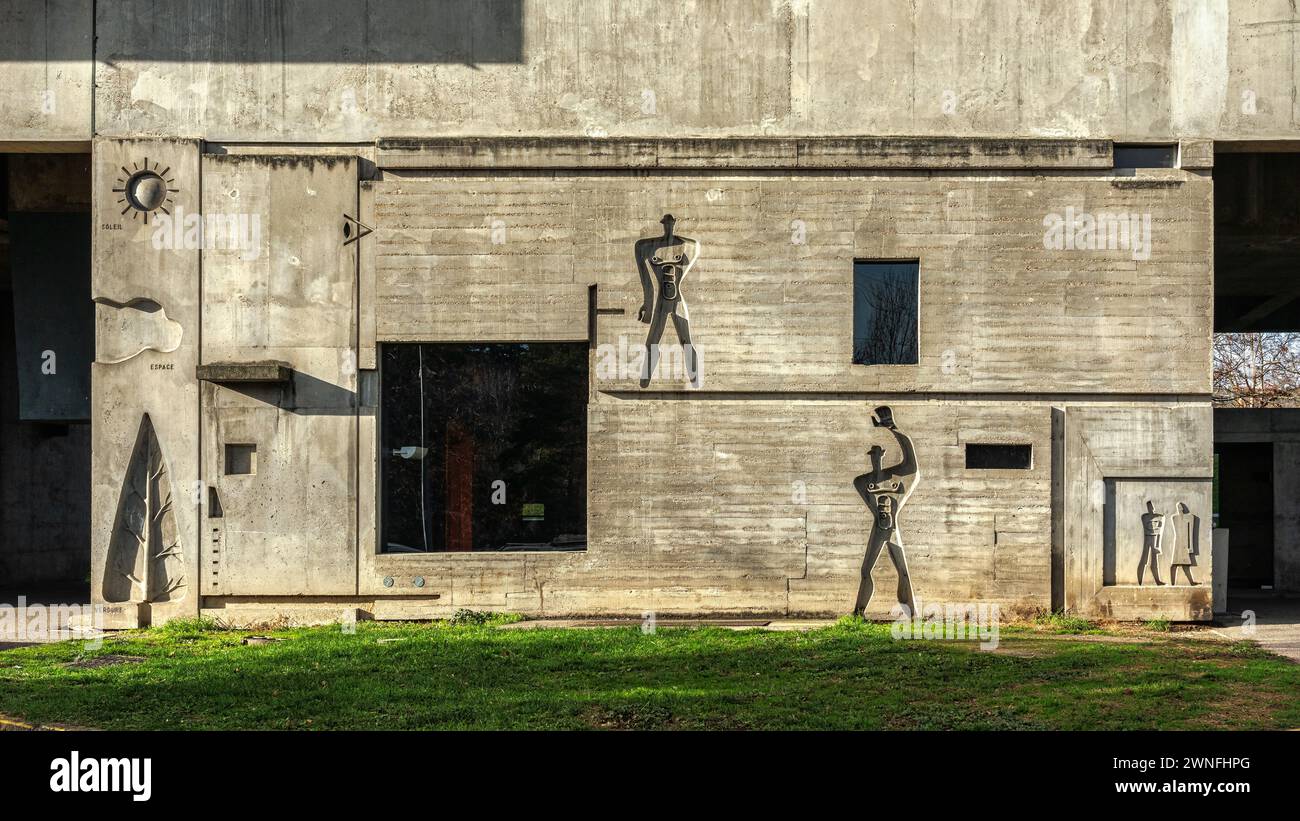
886, 312
999, 457
1145, 156
484, 447
241, 460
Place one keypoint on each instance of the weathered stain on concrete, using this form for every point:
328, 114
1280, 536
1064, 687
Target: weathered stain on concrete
328, 72
986, 119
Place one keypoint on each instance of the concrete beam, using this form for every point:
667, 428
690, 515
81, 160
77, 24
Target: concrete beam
502, 153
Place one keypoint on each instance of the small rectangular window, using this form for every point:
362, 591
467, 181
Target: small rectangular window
241, 460
1145, 156
999, 457
886, 312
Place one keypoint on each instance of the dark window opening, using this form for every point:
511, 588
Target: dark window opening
1145, 156
47, 343
999, 457
241, 460
1257, 243
1244, 492
484, 447
886, 312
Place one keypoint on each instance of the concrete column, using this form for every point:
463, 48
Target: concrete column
1286, 517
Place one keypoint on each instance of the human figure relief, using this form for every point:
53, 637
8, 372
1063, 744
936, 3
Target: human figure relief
1153, 530
886, 490
663, 263
1186, 528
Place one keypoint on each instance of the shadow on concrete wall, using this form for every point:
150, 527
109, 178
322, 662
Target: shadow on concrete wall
267, 31
312, 31
304, 395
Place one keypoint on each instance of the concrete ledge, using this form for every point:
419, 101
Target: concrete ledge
268, 371
945, 153
841, 153
1132, 603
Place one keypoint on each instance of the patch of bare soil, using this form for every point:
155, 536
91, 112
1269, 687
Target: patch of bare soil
11, 724
95, 662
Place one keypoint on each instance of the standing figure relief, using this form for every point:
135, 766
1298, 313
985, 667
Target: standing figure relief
1187, 531
886, 490
663, 263
1153, 534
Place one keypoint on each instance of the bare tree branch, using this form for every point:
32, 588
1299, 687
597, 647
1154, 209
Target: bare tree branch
1257, 370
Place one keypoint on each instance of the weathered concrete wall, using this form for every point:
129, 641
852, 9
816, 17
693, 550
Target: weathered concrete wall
48, 70
144, 397
295, 71
748, 505
511, 257
740, 497
281, 289
1112, 460
735, 498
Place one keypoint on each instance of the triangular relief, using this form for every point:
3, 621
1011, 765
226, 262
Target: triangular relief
145, 563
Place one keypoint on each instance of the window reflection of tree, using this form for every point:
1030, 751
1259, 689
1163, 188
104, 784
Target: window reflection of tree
885, 315
514, 413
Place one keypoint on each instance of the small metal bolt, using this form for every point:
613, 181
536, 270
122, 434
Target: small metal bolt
388, 581
418, 581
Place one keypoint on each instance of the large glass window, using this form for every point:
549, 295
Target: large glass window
886, 312
484, 447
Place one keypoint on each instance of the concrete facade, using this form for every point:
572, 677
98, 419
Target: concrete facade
372, 178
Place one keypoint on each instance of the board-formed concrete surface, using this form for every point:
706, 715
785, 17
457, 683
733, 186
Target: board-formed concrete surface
380, 176
324, 71
733, 497
1149, 71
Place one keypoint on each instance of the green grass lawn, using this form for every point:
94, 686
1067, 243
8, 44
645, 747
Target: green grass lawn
846, 676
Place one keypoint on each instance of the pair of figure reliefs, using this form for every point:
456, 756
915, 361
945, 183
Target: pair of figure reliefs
145, 564
886, 490
663, 263
1183, 547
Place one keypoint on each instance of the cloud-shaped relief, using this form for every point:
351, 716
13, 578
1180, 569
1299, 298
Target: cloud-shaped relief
127, 329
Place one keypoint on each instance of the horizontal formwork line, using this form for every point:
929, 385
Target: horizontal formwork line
986, 396
398, 174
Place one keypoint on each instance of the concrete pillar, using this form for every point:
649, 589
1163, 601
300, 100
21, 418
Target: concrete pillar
1219, 563
1286, 517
